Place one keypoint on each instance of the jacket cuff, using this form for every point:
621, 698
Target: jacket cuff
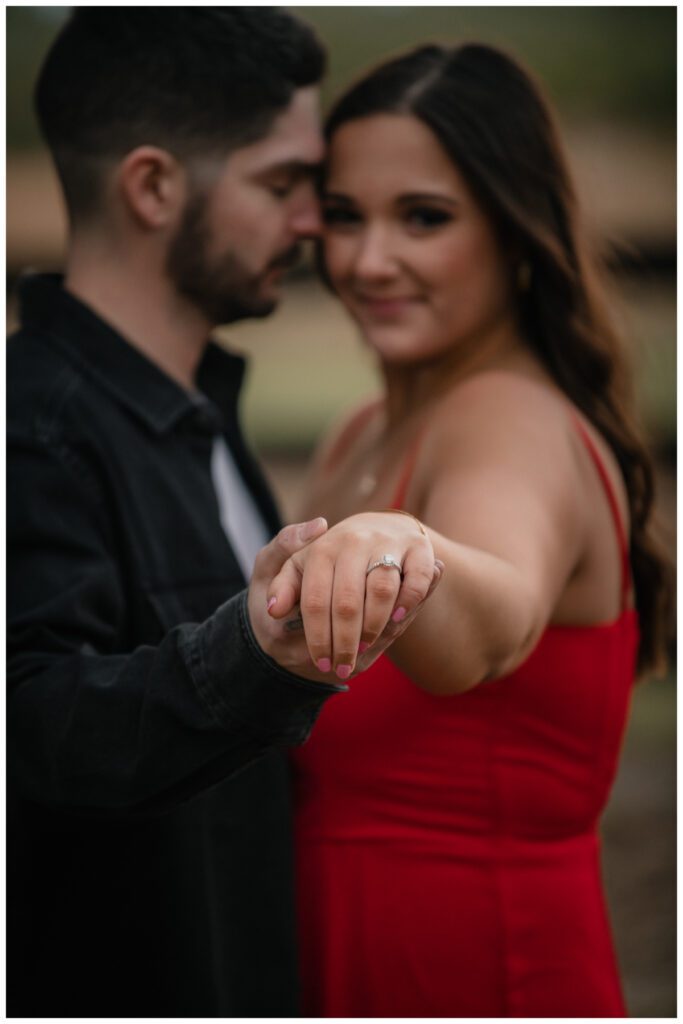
237, 681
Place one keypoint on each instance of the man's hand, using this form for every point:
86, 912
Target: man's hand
285, 644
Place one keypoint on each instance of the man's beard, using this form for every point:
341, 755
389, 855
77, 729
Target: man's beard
220, 287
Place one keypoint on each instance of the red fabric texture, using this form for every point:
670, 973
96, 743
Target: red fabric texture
447, 855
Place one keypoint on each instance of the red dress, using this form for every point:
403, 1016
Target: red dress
447, 854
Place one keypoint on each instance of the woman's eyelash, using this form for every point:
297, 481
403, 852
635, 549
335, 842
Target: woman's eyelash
417, 216
427, 216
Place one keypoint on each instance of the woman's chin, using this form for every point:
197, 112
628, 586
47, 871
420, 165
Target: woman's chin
396, 347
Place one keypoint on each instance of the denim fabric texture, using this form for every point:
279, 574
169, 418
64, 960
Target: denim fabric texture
148, 806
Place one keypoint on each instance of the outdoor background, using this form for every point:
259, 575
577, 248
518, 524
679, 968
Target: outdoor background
611, 72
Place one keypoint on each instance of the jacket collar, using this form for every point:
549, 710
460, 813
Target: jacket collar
122, 370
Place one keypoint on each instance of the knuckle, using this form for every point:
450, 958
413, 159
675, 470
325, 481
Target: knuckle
419, 579
383, 587
315, 603
412, 594
371, 633
345, 608
318, 649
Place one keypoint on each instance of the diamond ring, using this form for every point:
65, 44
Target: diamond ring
385, 562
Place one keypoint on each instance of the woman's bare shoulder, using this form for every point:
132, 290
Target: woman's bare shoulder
494, 403
343, 433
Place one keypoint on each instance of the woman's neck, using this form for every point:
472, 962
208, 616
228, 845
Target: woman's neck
411, 388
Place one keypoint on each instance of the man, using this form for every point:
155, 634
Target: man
146, 878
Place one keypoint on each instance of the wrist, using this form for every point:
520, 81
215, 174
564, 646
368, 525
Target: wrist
402, 512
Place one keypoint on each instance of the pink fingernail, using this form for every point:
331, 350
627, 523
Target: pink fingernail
271, 602
324, 664
362, 647
344, 671
399, 614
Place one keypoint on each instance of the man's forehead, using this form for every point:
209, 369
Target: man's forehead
295, 136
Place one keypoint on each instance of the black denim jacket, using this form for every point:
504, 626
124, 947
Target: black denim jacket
134, 684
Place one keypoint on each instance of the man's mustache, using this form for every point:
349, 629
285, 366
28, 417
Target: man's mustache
287, 259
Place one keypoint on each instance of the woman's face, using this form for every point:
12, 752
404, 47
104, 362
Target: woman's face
407, 248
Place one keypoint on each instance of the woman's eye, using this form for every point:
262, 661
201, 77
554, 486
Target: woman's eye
427, 217
339, 216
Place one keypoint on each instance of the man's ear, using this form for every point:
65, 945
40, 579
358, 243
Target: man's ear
152, 184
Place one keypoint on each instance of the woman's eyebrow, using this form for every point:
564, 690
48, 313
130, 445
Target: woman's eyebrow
421, 197
404, 199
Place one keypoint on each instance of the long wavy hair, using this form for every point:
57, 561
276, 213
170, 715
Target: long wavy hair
490, 116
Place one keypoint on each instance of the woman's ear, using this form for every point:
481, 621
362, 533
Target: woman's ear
151, 183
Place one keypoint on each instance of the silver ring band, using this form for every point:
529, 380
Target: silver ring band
385, 562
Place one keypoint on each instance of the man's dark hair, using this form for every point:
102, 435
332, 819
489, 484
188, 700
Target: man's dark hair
192, 80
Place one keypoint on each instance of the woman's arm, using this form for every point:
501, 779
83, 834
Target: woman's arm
502, 492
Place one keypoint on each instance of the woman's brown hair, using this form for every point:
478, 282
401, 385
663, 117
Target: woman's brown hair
491, 118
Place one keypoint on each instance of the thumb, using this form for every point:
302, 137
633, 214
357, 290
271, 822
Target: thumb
289, 540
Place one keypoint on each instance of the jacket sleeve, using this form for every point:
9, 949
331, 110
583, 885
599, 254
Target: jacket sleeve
101, 731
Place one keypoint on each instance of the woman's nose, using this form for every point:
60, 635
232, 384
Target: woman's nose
375, 256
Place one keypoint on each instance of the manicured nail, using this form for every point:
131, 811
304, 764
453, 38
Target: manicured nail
399, 614
271, 602
344, 671
362, 647
324, 664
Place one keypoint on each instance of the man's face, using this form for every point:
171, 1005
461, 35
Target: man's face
240, 233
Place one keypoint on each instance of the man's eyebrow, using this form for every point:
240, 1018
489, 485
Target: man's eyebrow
297, 168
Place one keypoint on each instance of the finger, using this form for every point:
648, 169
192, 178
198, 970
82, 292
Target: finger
316, 600
393, 630
289, 540
285, 590
382, 586
348, 602
439, 568
418, 573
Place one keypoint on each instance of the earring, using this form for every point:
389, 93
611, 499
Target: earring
524, 276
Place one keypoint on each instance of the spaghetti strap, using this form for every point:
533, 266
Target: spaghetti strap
614, 507
357, 424
407, 472
411, 459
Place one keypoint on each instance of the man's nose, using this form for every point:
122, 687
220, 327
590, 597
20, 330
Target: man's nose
306, 221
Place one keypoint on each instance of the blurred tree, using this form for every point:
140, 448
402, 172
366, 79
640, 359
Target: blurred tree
597, 62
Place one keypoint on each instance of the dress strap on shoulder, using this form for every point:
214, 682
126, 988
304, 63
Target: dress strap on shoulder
352, 431
398, 499
613, 504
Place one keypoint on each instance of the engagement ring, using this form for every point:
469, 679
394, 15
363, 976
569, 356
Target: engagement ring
386, 562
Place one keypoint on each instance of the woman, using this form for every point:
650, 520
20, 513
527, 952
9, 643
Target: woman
446, 807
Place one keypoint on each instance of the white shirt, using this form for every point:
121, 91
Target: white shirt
240, 518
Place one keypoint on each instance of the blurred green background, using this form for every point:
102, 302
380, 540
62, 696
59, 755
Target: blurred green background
611, 73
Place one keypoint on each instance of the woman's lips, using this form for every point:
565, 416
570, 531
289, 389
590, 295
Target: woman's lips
386, 307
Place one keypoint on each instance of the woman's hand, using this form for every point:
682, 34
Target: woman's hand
345, 608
